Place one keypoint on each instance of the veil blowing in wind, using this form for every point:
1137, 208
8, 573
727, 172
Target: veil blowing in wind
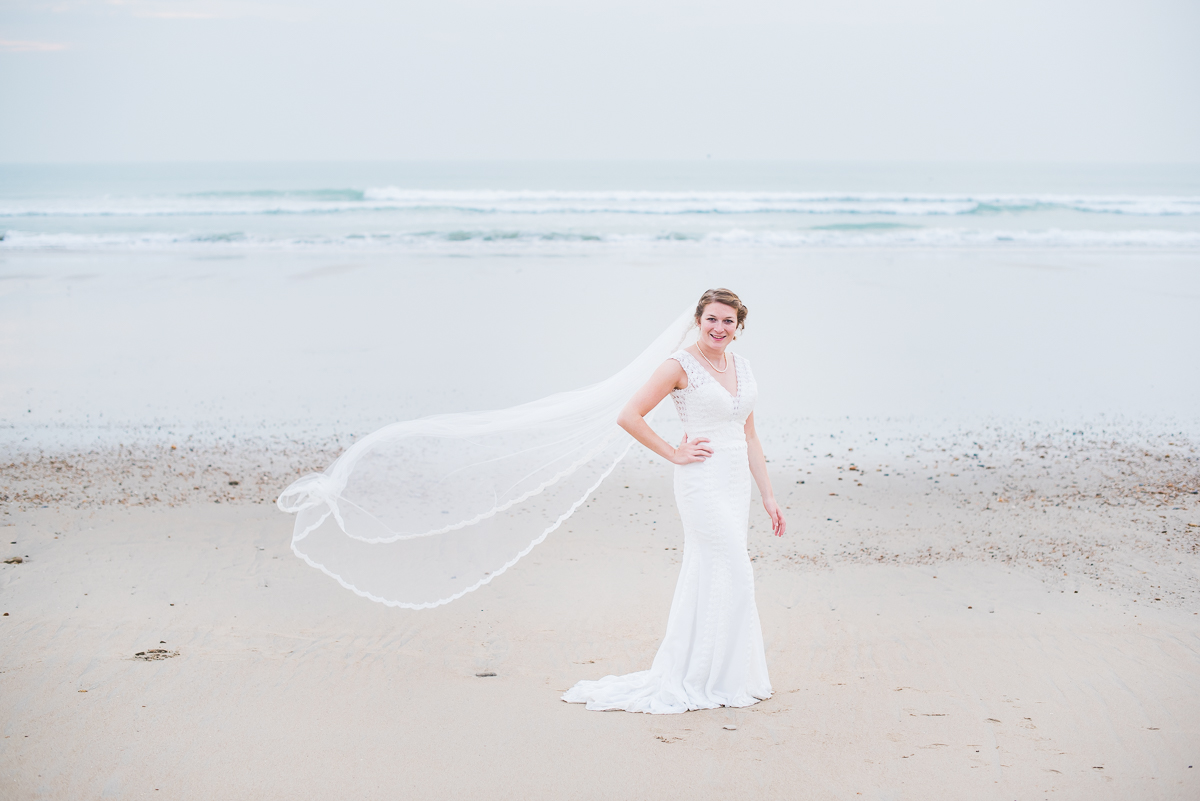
421, 512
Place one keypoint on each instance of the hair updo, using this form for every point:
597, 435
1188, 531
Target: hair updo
729, 299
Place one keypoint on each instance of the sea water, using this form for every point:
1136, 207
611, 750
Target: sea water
516, 208
326, 296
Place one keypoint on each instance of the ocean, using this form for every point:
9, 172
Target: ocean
580, 207
336, 297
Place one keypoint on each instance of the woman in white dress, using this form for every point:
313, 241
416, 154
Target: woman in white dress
712, 654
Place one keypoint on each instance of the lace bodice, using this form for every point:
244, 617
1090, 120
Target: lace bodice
704, 405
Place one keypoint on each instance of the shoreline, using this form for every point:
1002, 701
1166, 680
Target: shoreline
1083, 504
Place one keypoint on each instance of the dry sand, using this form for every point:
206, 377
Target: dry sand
973, 615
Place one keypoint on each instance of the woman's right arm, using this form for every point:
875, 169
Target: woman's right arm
632, 418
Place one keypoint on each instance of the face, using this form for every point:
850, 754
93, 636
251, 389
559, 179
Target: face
718, 325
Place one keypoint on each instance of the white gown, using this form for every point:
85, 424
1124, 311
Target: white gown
712, 654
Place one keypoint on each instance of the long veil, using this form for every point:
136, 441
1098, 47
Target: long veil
420, 513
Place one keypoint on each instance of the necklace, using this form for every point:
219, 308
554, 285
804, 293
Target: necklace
710, 364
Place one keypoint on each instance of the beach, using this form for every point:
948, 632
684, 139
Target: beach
1032, 637
979, 414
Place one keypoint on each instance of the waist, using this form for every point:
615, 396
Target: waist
730, 433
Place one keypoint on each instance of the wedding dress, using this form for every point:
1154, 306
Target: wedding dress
712, 654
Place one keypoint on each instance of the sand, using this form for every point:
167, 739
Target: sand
979, 614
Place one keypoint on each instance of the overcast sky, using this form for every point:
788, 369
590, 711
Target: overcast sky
926, 80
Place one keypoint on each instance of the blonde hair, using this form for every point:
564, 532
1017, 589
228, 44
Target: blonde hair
727, 297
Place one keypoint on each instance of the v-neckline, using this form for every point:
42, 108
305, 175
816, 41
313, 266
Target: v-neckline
737, 379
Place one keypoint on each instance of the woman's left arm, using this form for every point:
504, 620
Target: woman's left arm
758, 469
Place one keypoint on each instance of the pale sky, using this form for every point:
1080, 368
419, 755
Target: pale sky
910, 80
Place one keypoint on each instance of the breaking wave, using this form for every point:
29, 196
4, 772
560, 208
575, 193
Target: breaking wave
546, 241
335, 201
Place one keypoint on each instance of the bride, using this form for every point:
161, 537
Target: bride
422, 512
712, 654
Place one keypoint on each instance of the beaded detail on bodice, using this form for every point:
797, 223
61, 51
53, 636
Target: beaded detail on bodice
704, 405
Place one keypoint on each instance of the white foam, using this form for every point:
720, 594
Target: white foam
958, 237
615, 202
485, 241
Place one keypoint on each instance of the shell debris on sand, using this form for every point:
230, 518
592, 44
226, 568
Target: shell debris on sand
144, 472
1077, 505
154, 654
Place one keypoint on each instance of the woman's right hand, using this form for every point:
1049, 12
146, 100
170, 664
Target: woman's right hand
696, 450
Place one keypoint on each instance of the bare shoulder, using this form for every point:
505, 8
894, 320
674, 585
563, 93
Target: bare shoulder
672, 369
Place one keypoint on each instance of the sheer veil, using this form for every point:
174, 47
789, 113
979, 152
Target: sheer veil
420, 513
